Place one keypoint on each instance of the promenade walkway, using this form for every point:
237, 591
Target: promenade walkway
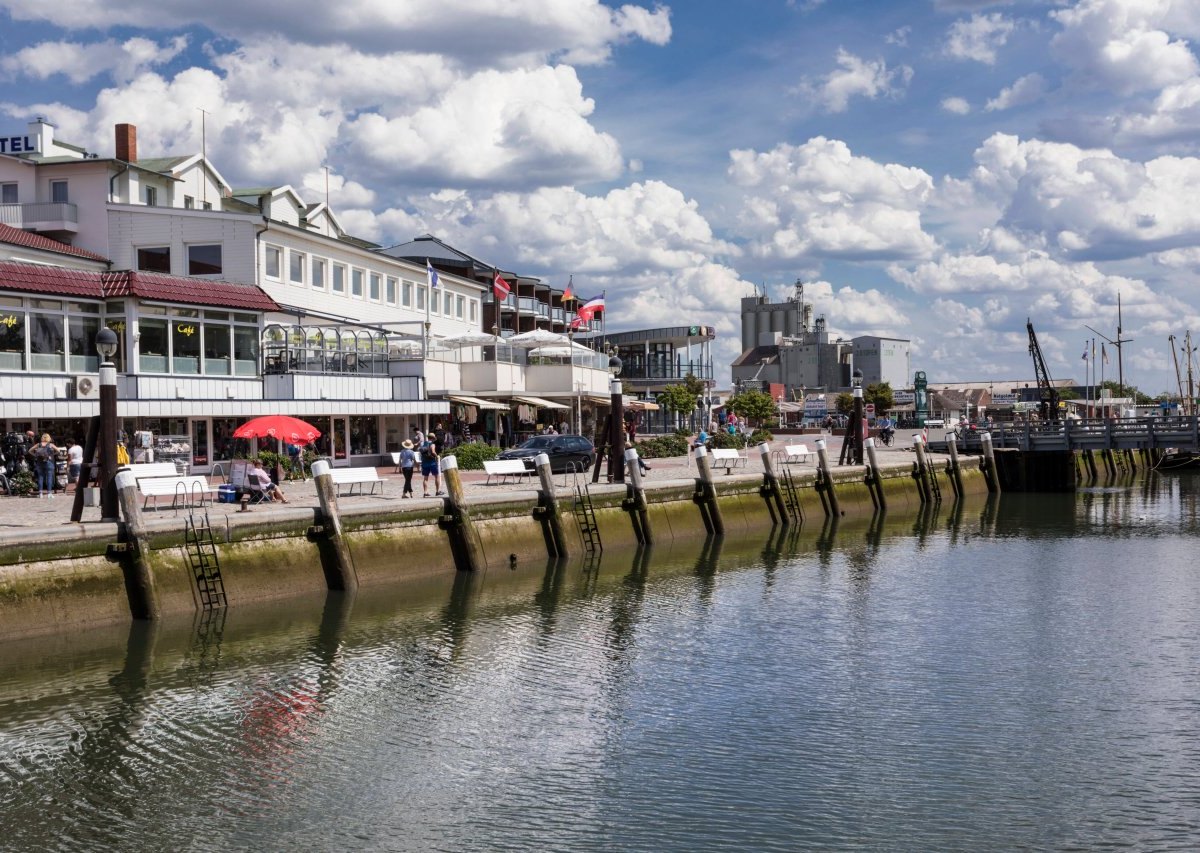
26, 512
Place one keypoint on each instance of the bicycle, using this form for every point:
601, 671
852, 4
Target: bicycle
887, 436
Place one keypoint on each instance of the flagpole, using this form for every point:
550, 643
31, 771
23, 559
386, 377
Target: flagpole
428, 296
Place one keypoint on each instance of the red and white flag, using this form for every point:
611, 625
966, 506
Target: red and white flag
588, 309
500, 287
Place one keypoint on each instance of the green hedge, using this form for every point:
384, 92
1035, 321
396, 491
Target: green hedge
472, 455
663, 447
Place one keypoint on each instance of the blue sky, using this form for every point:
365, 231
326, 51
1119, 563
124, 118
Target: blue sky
934, 169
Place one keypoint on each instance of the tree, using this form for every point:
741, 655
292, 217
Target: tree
755, 406
881, 395
845, 403
694, 386
1119, 390
677, 399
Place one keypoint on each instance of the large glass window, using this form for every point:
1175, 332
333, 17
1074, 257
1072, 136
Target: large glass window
318, 273
47, 340
12, 338
204, 259
245, 350
339, 278
272, 257
218, 349
356, 283
154, 259
153, 345
296, 262
81, 333
185, 339
364, 438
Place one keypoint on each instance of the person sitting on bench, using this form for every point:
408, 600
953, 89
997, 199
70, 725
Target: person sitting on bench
260, 481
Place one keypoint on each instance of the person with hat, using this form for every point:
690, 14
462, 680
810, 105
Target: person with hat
408, 461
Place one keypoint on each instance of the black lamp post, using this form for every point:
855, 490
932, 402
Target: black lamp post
616, 429
106, 346
859, 438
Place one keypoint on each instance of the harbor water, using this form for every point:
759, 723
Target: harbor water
1012, 674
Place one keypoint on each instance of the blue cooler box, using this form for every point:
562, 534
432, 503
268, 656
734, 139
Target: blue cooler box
226, 494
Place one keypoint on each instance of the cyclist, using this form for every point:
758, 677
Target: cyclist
887, 430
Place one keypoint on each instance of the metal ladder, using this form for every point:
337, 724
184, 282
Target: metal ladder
585, 514
206, 567
935, 488
791, 498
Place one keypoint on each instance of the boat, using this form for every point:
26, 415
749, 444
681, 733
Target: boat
1175, 459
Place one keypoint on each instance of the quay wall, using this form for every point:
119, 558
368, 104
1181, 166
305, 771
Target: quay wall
66, 578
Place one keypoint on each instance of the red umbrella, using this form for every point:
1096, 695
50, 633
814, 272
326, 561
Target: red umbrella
292, 430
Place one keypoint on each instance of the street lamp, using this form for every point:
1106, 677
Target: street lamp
106, 346
616, 429
856, 388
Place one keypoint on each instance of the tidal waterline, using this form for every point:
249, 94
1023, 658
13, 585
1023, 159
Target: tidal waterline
1013, 674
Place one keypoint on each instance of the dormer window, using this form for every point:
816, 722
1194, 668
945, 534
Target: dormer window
152, 196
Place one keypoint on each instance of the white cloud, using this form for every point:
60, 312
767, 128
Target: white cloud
1027, 90
956, 105
898, 37
819, 200
851, 311
978, 37
1121, 45
856, 78
81, 62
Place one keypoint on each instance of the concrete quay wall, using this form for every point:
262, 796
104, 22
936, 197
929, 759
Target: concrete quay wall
65, 578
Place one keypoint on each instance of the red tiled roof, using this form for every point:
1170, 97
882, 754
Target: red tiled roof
30, 240
57, 281
192, 291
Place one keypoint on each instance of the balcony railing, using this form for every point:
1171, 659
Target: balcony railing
669, 372
49, 216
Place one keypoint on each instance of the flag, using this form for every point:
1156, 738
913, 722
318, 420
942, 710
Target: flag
577, 323
500, 287
1085, 352
1103, 354
588, 309
567, 295
431, 273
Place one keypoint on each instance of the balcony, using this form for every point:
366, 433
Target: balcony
41, 216
667, 372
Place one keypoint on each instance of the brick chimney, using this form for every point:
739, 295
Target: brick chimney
127, 143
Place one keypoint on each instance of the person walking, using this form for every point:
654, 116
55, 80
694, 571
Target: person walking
74, 462
44, 454
429, 466
408, 461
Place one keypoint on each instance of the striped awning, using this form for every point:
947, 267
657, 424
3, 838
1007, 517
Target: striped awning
539, 402
477, 401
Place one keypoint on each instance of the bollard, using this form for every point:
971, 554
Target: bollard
921, 470
770, 490
825, 482
337, 560
547, 509
456, 521
139, 580
705, 495
635, 501
953, 469
990, 475
873, 479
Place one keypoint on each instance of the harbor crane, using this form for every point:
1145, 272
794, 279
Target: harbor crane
1047, 393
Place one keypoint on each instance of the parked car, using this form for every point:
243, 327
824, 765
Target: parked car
564, 451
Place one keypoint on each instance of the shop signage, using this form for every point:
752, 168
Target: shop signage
1004, 399
902, 397
17, 145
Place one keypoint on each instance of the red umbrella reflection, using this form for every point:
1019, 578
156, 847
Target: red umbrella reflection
288, 429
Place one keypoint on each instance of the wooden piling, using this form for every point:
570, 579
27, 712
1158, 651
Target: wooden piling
873, 479
635, 501
770, 490
705, 495
133, 551
921, 470
336, 559
990, 475
547, 511
456, 521
824, 484
954, 468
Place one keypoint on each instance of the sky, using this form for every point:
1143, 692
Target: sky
937, 170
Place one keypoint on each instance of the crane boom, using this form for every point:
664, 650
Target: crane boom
1047, 393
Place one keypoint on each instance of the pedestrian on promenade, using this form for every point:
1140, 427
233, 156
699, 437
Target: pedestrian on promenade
74, 462
429, 466
44, 455
408, 460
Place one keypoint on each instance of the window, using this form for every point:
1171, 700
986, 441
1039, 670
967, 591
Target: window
153, 345
459, 304
188, 202
420, 297
356, 283
152, 196
318, 273
339, 278
81, 342
58, 192
364, 435
206, 205
217, 349
154, 259
449, 303
474, 311
406, 294
12, 338
296, 262
245, 350
376, 279
185, 341
8, 193
47, 344
204, 259
273, 258
391, 290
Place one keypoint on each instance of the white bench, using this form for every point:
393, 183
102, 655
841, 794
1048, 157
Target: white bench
504, 468
793, 453
727, 458
193, 489
356, 477
153, 469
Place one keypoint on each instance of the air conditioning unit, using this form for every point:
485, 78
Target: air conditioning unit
86, 387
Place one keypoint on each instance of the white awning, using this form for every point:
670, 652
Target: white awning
476, 401
539, 402
641, 405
